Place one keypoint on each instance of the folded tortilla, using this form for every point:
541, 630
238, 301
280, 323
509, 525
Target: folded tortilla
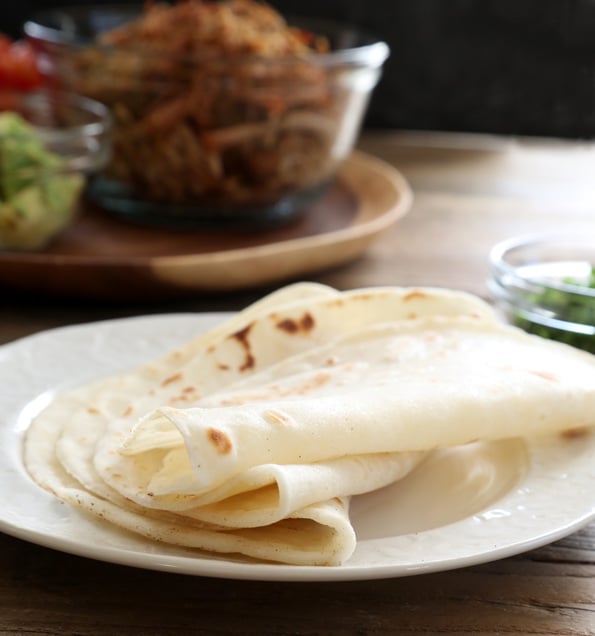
252, 438
75, 416
432, 383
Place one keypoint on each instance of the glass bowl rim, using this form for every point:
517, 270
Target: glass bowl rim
83, 147
100, 125
373, 53
503, 270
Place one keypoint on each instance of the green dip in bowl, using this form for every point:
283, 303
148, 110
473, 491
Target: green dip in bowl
546, 285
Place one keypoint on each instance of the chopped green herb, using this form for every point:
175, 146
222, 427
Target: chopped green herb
579, 340
564, 307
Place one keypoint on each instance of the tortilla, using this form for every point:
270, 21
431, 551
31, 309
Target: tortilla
89, 449
432, 383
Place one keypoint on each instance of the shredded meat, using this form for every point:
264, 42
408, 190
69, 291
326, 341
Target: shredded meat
219, 101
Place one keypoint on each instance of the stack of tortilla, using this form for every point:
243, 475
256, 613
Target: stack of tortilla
252, 438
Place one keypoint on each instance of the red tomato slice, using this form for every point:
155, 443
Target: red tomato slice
18, 65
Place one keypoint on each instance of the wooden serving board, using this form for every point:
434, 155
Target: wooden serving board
102, 257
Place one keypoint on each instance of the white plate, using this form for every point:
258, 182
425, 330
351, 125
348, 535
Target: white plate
464, 506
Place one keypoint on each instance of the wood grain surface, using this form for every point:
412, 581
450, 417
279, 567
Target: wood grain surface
547, 591
469, 193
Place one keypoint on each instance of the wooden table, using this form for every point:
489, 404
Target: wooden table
469, 193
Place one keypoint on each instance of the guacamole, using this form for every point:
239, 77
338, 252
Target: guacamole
37, 193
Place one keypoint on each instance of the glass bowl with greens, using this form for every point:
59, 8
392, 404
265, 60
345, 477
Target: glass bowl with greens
49, 143
545, 284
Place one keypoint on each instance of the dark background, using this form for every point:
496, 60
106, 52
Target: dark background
515, 67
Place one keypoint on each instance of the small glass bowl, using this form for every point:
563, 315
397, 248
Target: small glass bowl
236, 141
545, 284
45, 165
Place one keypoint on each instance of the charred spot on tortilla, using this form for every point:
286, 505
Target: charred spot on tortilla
93, 410
546, 375
319, 380
304, 324
172, 378
366, 295
574, 433
414, 295
242, 337
276, 417
220, 441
